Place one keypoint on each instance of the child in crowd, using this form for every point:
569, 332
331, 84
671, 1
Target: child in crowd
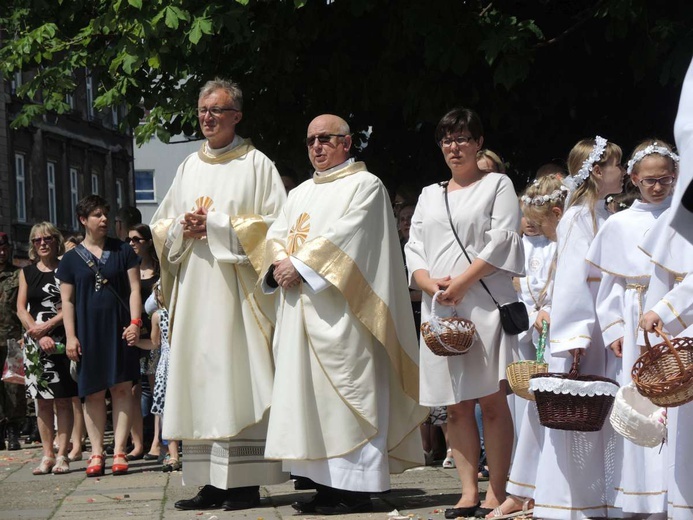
160, 338
641, 488
542, 208
573, 481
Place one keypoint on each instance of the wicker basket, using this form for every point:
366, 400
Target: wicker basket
664, 373
571, 401
447, 336
520, 372
637, 419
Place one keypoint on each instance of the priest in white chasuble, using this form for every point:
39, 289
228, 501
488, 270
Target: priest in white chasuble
345, 410
210, 236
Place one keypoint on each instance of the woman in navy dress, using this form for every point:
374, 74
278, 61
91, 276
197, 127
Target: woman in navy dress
100, 290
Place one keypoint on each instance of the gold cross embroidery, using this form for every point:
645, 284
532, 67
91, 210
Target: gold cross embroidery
298, 233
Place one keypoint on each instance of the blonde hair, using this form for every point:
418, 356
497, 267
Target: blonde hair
652, 142
45, 228
589, 189
545, 186
499, 166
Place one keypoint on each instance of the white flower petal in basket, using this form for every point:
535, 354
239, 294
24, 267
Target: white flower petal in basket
572, 386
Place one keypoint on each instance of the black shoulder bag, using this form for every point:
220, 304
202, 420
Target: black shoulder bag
101, 280
513, 316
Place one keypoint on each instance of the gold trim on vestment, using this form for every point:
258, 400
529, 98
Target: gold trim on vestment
274, 249
612, 324
640, 493
249, 298
358, 166
530, 486
340, 270
251, 231
676, 314
677, 274
242, 149
618, 274
566, 508
570, 339
591, 279
166, 279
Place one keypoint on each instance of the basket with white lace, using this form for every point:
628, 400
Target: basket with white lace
571, 401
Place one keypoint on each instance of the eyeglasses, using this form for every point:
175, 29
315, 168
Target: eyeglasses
215, 111
459, 140
45, 240
322, 138
136, 240
667, 180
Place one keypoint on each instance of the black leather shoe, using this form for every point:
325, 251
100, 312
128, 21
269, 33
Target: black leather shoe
13, 438
303, 483
241, 498
461, 512
346, 508
208, 497
309, 506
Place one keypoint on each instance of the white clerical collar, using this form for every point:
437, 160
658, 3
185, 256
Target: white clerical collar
216, 152
335, 168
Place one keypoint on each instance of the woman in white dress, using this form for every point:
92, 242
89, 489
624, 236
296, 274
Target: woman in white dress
625, 279
573, 480
486, 216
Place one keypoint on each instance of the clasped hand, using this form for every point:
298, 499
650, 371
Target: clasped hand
195, 224
285, 274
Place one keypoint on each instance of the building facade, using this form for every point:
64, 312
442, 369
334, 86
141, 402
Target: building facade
46, 168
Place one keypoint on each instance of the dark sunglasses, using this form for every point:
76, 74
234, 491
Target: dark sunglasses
47, 240
136, 240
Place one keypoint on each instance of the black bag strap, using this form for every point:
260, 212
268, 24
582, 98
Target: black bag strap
100, 278
454, 232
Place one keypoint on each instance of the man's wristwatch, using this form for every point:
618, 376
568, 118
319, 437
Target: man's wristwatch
137, 322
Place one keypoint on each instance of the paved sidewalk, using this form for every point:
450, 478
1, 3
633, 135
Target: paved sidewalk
421, 493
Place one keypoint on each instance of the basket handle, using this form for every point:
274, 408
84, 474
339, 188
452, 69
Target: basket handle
433, 305
575, 367
669, 345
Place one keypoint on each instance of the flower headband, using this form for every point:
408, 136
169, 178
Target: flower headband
540, 200
653, 148
574, 181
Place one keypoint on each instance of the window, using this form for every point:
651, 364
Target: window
21, 187
90, 95
94, 183
16, 82
74, 196
52, 211
144, 186
70, 100
119, 193
114, 116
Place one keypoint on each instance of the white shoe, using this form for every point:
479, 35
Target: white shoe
449, 462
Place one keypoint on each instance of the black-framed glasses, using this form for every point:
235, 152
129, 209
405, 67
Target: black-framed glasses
136, 240
322, 138
460, 140
215, 111
667, 180
46, 240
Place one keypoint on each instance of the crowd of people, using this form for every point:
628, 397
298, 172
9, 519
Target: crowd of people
275, 336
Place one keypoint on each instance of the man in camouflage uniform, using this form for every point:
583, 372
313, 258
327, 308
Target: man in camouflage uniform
12, 396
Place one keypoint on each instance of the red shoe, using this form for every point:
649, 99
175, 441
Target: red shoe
95, 470
120, 469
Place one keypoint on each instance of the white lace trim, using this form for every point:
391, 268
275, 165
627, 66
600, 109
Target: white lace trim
572, 386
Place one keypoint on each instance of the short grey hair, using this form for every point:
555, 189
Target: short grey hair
232, 89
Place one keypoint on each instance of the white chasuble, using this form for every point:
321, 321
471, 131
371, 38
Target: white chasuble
682, 206
221, 368
346, 381
620, 304
576, 470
